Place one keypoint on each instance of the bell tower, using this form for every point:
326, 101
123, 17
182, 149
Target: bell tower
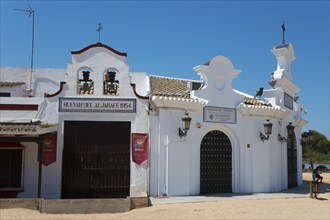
283, 92
285, 56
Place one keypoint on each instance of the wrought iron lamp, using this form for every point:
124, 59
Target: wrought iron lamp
268, 131
306, 136
290, 129
185, 125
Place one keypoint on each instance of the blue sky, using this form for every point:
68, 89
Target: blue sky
169, 38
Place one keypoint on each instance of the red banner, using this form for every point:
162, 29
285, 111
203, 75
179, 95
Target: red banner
49, 142
139, 147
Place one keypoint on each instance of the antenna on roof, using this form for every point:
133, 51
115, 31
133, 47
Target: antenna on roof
99, 29
31, 13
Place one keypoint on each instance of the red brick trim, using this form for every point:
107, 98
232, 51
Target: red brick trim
56, 93
18, 107
136, 94
99, 45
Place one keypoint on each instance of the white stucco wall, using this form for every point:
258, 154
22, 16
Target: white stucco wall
173, 167
261, 167
30, 171
30, 175
257, 166
100, 59
45, 80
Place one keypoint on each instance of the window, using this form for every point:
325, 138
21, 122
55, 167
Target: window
85, 83
111, 84
11, 167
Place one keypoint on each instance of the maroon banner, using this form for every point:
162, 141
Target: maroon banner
49, 142
139, 147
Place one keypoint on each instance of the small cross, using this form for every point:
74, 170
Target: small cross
99, 29
283, 30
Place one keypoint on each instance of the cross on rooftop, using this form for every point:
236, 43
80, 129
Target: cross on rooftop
99, 29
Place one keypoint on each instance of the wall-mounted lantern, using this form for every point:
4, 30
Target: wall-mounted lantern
290, 129
268, 131
185, 125
306, 136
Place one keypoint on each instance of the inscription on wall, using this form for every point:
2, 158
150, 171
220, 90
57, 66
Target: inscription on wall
97, 105
219, 115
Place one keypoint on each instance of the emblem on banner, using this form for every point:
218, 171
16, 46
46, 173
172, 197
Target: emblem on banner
139, 148
49, 142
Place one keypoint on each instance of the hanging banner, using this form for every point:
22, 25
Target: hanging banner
139, 147
49, 143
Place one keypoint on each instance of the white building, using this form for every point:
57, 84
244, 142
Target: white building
107, 132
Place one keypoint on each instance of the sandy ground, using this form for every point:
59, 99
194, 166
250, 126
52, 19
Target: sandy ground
292, 208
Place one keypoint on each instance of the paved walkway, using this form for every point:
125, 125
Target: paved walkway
296, 192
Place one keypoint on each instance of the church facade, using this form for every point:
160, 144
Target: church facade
98, 130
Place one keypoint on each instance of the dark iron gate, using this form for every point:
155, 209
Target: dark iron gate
96, 160
216, 163
292, 161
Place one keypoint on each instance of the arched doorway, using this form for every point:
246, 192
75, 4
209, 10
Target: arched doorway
215, 163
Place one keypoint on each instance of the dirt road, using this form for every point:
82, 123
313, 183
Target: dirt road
261, 208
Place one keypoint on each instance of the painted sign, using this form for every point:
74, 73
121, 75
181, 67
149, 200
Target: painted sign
49, 142
139, 147
219, 115
97, 105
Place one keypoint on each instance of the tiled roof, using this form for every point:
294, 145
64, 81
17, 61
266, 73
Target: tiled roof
180, 99
11, 84
256, 102
33, 127
263, 110
170, 87
261, 107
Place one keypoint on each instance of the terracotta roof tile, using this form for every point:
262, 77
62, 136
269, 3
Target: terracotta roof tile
161, 86
6, 127
11, 84
252, 101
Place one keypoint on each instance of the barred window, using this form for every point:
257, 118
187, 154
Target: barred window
10, 167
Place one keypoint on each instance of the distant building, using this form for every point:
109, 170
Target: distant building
101, 131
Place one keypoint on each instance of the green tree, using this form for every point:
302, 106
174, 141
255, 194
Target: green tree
320, 142
316, 149
313, 156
